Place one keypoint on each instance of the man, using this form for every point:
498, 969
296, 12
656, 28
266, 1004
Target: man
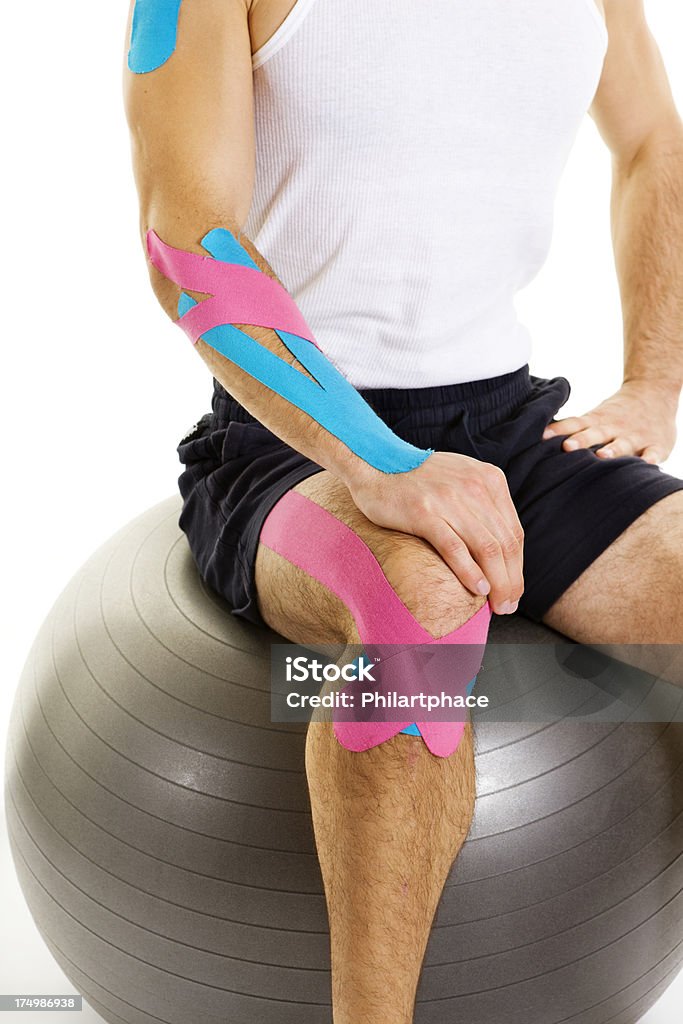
397, 164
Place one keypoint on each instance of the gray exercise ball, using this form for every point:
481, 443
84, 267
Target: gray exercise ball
161, 831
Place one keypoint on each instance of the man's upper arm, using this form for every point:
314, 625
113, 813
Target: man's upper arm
191, 118
633, 105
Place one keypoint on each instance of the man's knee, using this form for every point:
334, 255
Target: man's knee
432, 593
417, 574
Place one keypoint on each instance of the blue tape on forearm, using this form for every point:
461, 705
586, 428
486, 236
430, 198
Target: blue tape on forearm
153, 34
328, 398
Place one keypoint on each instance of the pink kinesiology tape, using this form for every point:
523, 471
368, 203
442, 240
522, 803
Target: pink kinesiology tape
240, 295
311, 538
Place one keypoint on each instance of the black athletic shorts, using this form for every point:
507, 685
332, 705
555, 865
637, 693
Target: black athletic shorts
572, 505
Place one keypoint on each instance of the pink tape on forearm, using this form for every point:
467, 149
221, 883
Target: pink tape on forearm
311, 538
240, 295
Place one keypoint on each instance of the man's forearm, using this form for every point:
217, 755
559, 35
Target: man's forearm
647, 230
311, 406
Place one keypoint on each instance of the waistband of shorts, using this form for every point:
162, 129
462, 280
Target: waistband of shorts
485, 395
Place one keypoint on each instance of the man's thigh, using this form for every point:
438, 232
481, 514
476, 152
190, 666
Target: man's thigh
633, 592
574, 507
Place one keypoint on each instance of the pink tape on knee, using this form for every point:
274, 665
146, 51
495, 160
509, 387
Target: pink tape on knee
311, 538
240, 295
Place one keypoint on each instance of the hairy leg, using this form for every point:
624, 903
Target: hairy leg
633, 593
388, 821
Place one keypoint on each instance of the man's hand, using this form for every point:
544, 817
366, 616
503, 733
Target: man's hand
463, 508
640, 419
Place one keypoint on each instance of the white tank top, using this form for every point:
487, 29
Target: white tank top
408, 154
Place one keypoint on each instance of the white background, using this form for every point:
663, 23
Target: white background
98, 387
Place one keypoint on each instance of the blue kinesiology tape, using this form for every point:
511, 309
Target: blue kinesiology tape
153, 34
328, 398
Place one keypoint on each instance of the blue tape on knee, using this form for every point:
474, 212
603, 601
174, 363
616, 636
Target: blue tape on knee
328, 398
153, 34
413, 730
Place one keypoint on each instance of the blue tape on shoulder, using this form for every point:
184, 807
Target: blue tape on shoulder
153, 34
328, 398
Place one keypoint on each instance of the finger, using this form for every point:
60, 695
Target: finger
502, 521
456, 555
615, 448
652, 455
511, 548
502, 506
570, 425
487, 552
489, 525
587, 438
513, 551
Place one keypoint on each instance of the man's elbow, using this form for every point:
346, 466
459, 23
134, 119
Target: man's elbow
662, 142
181, 212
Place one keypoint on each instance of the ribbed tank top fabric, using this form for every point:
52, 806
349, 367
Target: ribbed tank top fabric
407, 161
